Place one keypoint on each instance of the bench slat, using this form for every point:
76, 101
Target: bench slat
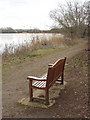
40, 84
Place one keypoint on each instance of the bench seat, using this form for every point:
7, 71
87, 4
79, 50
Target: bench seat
39, 84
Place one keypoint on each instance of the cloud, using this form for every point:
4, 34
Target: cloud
19, 13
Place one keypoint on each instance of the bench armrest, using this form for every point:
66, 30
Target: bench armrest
50, 65
36, 78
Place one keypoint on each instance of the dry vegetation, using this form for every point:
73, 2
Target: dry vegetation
37, 48
37, 43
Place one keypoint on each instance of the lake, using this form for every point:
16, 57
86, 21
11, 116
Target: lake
16, 39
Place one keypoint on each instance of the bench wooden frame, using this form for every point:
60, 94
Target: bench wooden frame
55, 71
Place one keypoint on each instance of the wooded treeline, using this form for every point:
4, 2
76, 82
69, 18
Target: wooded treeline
11, 30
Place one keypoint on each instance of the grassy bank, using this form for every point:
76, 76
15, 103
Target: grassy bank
37, 48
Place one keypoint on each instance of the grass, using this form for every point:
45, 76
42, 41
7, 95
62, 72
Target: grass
46, 51
35, 54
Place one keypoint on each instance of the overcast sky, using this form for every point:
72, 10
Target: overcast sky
27, 13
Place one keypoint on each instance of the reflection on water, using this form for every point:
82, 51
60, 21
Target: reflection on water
20, 38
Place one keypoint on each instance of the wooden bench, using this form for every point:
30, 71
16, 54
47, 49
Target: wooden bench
55, 71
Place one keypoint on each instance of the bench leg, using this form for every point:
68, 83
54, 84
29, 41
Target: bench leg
62, 78
30, 91
47, 96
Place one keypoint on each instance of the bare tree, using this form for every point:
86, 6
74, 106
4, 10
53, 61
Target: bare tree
71, 17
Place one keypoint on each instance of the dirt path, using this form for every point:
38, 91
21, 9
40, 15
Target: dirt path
15, 87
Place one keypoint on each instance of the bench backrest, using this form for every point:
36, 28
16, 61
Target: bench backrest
55, 71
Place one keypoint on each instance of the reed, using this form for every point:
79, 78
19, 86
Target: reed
37, 43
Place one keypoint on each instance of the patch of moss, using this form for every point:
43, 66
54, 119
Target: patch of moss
33, 55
